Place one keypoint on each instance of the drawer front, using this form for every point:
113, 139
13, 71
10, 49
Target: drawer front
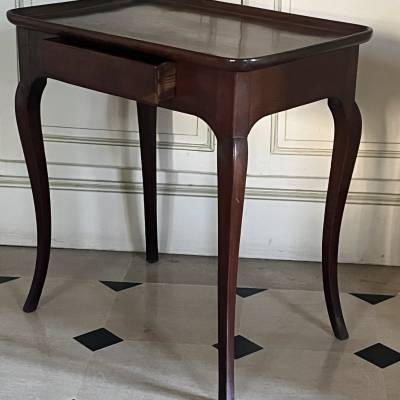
134, 76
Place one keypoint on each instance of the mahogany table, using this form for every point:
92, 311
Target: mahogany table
227, 64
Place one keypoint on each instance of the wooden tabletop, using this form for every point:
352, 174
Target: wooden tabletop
218, 34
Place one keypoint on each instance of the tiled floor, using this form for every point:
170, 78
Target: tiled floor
111, 327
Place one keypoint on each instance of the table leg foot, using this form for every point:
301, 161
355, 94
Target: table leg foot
147, 117
232, 167
346, 143
27, 105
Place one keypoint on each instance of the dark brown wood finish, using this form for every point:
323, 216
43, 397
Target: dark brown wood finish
205, 32
147, 117
227, 64
346, 143
27, 106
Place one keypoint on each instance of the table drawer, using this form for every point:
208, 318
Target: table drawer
106, 70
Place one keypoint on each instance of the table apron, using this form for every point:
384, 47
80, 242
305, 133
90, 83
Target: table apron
285, 86
129, 77
202, 91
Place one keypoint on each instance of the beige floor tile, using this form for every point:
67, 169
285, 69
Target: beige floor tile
308, 276
84, 264
17, 261
392, 381
69, 264
191, 270
161, 371
171, 324
108, 265
151, 371
299, 320
265, 273
388, 321
273, 319
166, 313
304, 374
33, 368
67, 308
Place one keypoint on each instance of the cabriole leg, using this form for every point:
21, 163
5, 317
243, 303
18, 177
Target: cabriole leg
232, 168
345, 149
27, 105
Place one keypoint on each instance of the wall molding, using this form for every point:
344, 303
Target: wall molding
166, 189
23, 3
277, 120
189, 171
279, 149
208, 145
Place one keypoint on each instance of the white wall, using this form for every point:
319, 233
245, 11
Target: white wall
94, 163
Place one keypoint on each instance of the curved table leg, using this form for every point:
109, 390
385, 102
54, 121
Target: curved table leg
147, 117
345, 149
27, 105
232, 168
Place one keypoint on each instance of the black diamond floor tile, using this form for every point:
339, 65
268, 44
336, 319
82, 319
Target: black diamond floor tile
4, 279
243, 347
247, 292
118, 286
379, 355
98, 339
373, 298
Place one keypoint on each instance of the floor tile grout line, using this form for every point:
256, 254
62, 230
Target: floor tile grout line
84, 374
128, 268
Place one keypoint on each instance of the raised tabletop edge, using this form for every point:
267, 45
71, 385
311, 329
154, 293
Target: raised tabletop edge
235, 64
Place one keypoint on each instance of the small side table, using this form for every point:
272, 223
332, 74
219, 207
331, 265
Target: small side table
227, 64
